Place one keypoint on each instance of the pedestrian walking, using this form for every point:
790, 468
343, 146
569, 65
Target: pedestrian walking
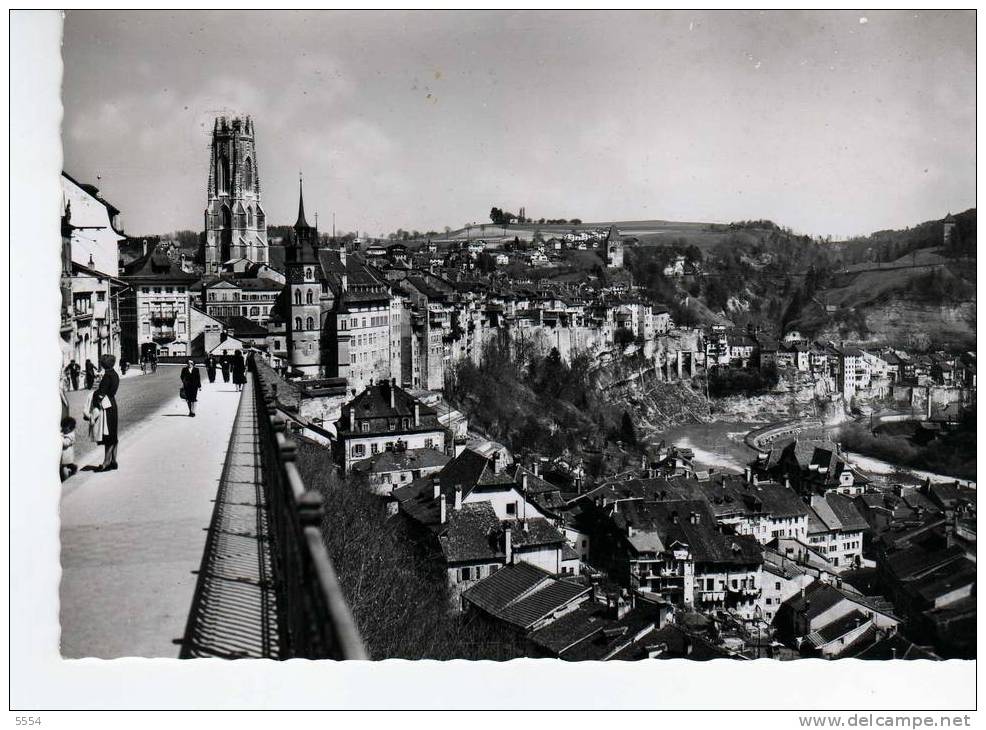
191, 383
124, 366
72, 370
225, 368
104, 399
210, 368
239, 370
67, 466
90, 374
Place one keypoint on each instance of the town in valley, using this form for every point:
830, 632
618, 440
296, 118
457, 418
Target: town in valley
579, 336
511, 426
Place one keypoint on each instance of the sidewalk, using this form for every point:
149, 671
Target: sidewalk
132, 539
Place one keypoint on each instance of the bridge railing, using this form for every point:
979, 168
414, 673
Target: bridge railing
315, 619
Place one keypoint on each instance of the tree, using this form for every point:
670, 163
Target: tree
627, 431
623, 337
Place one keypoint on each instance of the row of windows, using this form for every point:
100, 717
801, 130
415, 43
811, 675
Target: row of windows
355, 322
167, 290
309, 323
309, 296
145, 328
358, 357
176, 306
476, 572
242, 311
359, 450
735, 583
236, 296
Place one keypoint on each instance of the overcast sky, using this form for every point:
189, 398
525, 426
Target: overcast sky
830, 123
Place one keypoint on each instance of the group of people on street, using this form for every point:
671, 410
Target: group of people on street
73, 371
191, 381
100, 411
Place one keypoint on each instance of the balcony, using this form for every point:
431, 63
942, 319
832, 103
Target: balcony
161, 317
710, 596
743, 592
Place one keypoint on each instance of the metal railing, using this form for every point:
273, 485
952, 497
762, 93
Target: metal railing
314, 618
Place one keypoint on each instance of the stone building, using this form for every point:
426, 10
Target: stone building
156, 308
339, 312
235, 222
614, 249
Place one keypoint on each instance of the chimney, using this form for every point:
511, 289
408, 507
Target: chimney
442, 510
390, 387
523, 484
507, 546
787, 482
537, 467
352, 422
629, 530
436, 485
526, 525
748, 472
674, 517
144, 247
417, 412
458, 497
695, 518
496, 462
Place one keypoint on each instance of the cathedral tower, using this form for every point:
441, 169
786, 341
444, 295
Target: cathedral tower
235, 222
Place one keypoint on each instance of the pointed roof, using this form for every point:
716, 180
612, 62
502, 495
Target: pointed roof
301, 222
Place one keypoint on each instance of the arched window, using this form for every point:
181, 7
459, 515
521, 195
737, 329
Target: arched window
222, 174
254, 311
248, 175
311, 323
308, 273
311, 297
297, 323
297, 296
249, 216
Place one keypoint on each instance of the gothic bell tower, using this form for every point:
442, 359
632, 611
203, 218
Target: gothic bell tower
235, 222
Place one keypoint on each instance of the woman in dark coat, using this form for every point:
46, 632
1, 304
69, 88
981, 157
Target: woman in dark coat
210, 368
225, 368
191, 383
239, 370
91, 373
105, 399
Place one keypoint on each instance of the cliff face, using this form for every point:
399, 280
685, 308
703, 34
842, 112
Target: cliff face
912, 325
919, 324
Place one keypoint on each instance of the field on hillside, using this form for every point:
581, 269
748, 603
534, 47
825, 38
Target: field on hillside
647, 233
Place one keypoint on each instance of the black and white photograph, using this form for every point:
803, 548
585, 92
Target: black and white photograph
573, 337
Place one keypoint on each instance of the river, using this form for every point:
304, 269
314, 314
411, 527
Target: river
718, 445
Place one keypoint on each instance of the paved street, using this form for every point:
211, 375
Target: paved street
132, 539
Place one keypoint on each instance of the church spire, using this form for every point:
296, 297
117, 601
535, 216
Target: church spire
302, 223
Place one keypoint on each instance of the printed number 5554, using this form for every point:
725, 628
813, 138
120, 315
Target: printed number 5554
27, 720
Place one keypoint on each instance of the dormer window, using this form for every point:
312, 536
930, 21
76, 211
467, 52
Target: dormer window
364, 426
